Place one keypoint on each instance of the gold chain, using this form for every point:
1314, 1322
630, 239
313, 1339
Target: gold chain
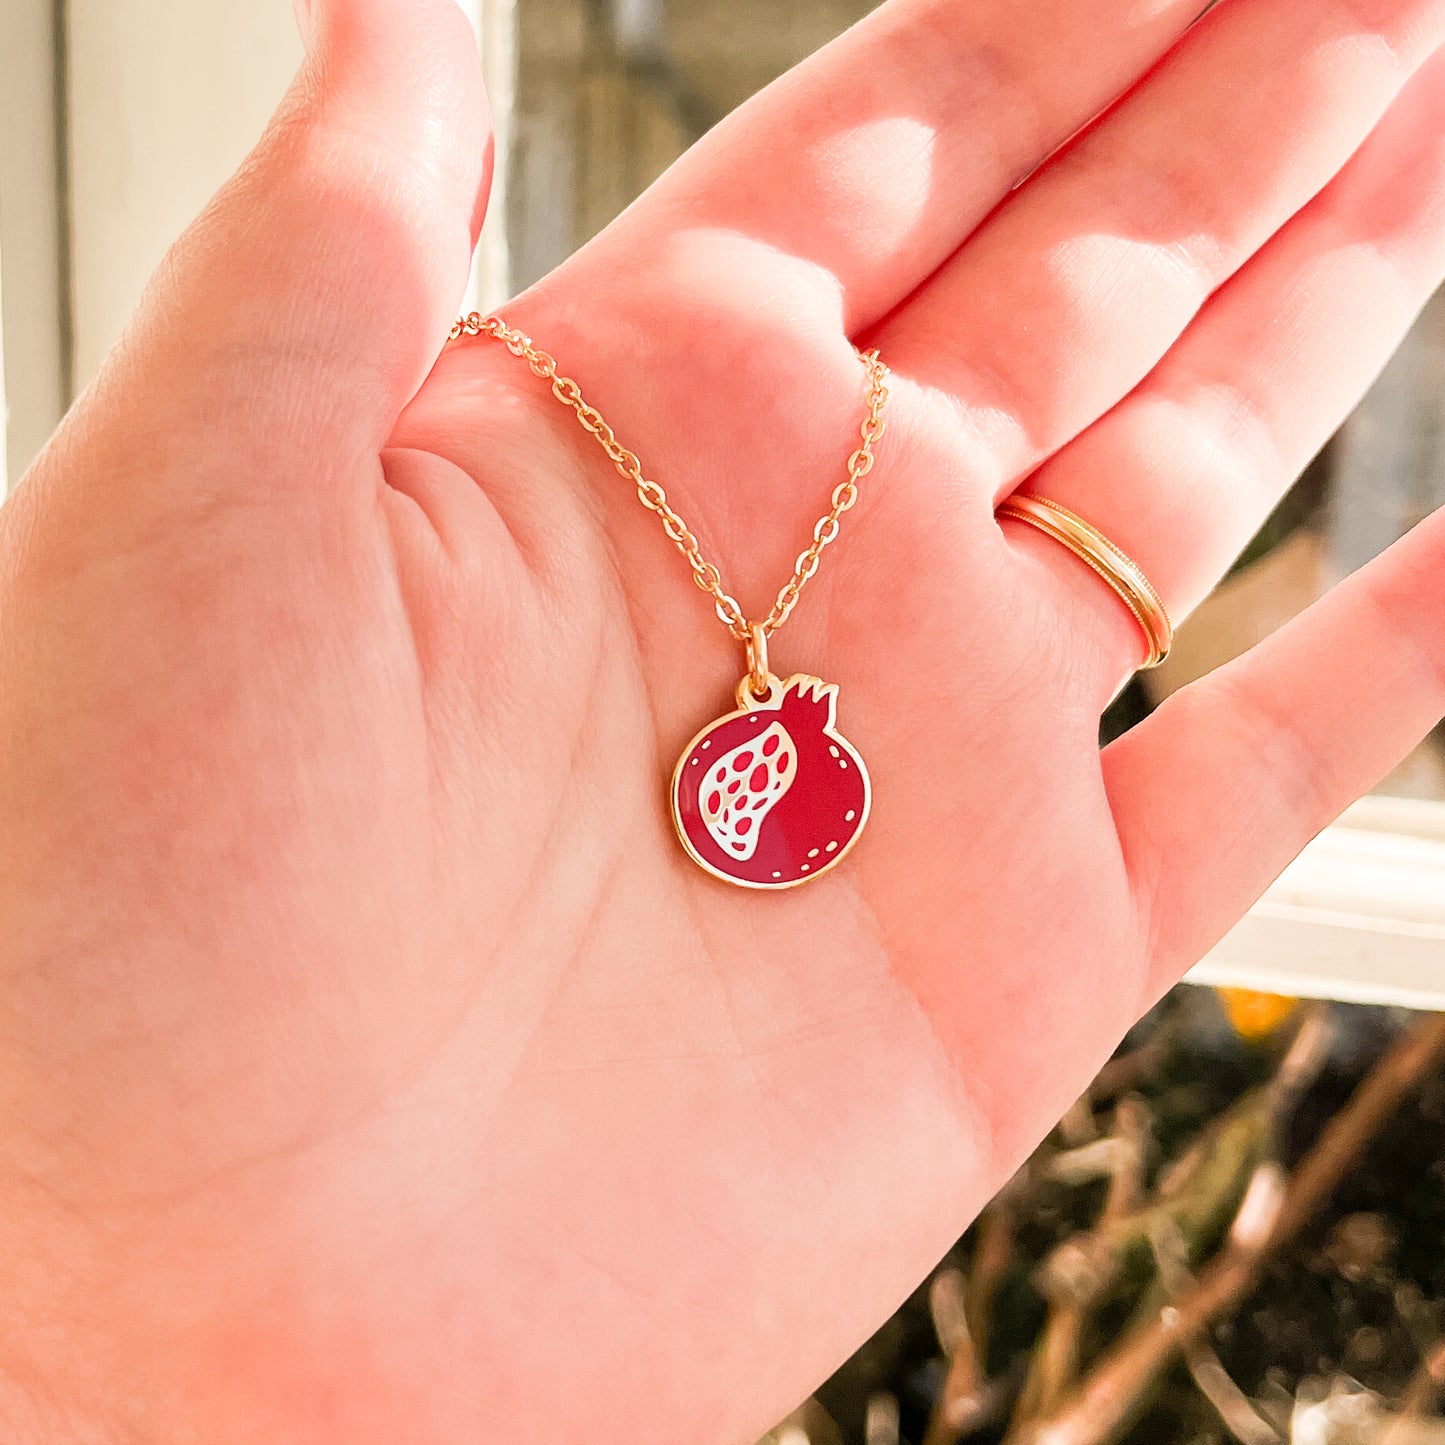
652, 496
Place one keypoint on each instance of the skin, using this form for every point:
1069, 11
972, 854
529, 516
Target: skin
375, 1066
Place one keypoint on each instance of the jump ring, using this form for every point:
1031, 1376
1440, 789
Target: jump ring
757, 649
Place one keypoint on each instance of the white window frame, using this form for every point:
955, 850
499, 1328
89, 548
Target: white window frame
35, 362
1360, 915
118, 120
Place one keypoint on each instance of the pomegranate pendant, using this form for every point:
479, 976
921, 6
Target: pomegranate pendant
771, 795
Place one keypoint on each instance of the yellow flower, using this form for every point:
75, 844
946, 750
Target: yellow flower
1255, 1015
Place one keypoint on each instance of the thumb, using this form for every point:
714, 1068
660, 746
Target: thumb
317, 288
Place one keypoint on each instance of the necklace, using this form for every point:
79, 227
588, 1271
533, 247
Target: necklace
769, 795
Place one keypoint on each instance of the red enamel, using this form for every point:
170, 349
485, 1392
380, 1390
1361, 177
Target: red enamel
817, 819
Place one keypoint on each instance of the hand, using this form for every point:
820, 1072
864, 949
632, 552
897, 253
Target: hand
376, 1066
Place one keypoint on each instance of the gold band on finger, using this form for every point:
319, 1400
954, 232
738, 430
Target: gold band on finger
1106, 560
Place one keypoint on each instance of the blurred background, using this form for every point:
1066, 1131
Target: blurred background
118, 118
1223, 1139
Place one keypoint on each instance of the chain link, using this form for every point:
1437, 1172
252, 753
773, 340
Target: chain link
704, 573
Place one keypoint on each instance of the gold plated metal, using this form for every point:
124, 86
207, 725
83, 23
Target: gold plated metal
1107, 561
757, 647
771, 795
704, 573
750, 709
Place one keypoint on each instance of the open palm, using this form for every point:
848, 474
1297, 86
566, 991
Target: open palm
378, 1067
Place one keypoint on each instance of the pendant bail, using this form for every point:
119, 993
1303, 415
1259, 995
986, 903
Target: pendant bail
757, 650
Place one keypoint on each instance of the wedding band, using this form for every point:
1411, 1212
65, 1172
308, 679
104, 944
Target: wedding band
1106, 560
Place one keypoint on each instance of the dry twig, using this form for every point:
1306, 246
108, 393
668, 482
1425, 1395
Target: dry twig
1054, 1366
1120, 1382
881, 1424
1126, 1072
1421, 1398
809, 1424
968, 1400
1236, 1413
1078, 1126
1131, 1141
993, 1257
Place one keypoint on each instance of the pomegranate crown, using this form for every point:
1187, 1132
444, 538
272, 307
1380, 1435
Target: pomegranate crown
809, 700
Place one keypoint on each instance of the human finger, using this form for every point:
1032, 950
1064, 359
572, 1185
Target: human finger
1065, 299
1185, 469
311, 297
1215, 792
861, 169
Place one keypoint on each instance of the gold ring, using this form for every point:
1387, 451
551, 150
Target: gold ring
1106, 560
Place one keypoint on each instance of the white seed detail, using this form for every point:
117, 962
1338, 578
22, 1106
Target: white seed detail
743, 786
